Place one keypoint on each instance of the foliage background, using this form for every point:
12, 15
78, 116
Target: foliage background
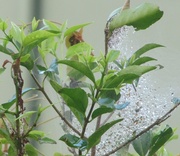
165, 32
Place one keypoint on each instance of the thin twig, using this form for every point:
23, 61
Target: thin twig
53, 106
108, 117
157, 122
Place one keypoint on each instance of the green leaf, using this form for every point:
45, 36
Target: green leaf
30, 150
59, 154
143, 143
16, 33
145, 49
7, 136
107, 102
74, 141
101, 111
36, 37
112, 55
27, 61
160, 139
94, 139
46, 140
8, 104
80, 48
140, 18
26, 114
2, 70
143, 60
74, 28
36, 134
35, 24
5, 50
72, 99
79, 67
127, 75
3, 25
40, 137
50, 25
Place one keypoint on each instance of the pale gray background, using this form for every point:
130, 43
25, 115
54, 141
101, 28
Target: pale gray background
166, 32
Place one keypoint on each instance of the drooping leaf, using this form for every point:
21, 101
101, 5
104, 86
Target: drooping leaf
140, 18
71, 97
160, 139
75, 97
143, 143
96, 136
79, 67
74, 141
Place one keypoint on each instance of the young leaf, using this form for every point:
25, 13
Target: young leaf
80, 67
94, 139
80, 48
74, 141
140, 18
112, 55
35, 24
160, 139
50, 25
16, 33
142, 144
74, 28
36, 37
3, 25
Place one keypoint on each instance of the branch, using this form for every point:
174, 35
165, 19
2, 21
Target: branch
54, 107
157, 122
